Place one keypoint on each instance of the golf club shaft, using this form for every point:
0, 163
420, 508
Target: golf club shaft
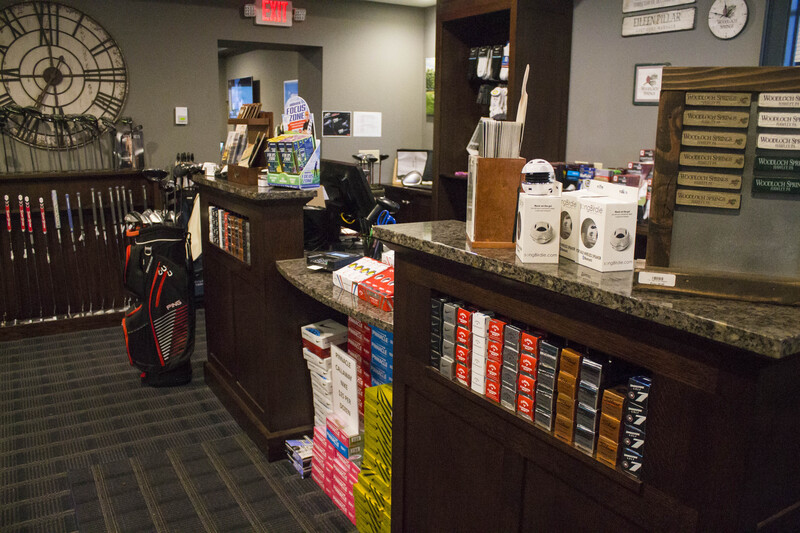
47, 254
57, 220
97, 244
74, 251
24, 248
105, 240
33, 254
11, 252
82, 240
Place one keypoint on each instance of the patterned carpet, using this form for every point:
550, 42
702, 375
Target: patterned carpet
84, 447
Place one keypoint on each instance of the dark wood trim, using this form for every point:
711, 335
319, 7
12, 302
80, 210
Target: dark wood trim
730, 79
62, 324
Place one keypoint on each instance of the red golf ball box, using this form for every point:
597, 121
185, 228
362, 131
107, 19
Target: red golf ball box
464, 336
464, 317
529, 343
494, 351
496, 327
493, 369
525, 407
526, 385
462, 374
493, 390
463, 355
379, 290
527, 364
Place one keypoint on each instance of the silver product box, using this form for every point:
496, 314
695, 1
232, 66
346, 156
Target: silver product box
450, 312
547, 379
511, 335
447, 367
585, 439
589, 395
591, 372
449, 332
448, 349
510, 354
586, 416
543, 419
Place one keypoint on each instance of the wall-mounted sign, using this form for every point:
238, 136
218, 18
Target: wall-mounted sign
647, 83
719, 200
631, 6
717, 119
271, 12
776, 141
779, 185
718, 99
709, 159
779, 100
709, 180
662, 22
778, 120
783, 164
713, 139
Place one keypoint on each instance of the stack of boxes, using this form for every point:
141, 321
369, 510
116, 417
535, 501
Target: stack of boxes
359, 337
317, 341
635, 420
463, 347
611, 414
526, 384
480, 330
570, 365
587, 413
372, 492
494, 359
546, 384
343, 455
382, 355
437, 312
510, 372
447, 365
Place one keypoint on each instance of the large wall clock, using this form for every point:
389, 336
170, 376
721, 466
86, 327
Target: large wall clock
62, 76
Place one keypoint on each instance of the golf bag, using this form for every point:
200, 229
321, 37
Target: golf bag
159, 325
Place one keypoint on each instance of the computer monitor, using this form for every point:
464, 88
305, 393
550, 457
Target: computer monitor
348, 191
241, 91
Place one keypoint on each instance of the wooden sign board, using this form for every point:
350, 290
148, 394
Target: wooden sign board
726, 185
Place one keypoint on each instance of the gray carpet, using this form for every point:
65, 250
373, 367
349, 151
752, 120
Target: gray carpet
84, 447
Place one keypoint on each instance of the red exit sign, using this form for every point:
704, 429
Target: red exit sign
274, 13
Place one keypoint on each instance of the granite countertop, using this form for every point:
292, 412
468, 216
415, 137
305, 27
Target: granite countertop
765, 329
319, 285
254, 192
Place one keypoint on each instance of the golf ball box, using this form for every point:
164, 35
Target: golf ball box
538, 228
585, 399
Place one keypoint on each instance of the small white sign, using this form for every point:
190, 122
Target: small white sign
776, 141
767, 119
660, 279
181, 116
366, 124
661, 22
631, 6
779, 100
345, 388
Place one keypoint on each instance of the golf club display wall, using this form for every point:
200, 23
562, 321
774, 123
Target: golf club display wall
63, 246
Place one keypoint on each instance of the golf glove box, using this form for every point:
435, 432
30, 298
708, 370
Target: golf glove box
608, 227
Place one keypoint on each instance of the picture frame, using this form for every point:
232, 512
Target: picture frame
647, 83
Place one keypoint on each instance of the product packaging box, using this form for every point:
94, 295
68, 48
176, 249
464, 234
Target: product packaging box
537, 237
479, 345
462, 375
525, 406
493, 369
463, 355
493, 390
636, 416
378, 290
608, 228
511, 336
448, 332
319, 336
569, 223
639, 390
450, 312
529, 343
546, 378
570, 362
463, 336
496, 327
631, 463
347, 278
563, 428
464, 317
548, 355
448, 348
480, 323
526, 385
633, 438
494, 351
478, 383
584, 439
567, 385
610, 428
543, 419
528, 364
437, 305
447, 367
508, 398
589, 395
607, 451
614, 401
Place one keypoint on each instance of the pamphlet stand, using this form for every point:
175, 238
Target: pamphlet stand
307, 179
492, 188
255, 126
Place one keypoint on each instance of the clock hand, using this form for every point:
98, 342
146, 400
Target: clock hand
47, 86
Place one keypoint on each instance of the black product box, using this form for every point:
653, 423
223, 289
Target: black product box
450, 312
543, 419
437, 305
585, 439
510, 354
448, 332
586, 416
511, 335
633, 438
547, 378
436, 342
589, 395
509, 378
632, 462
591, 372
636, 416
436, 358
448, 348
436, 325
639, 390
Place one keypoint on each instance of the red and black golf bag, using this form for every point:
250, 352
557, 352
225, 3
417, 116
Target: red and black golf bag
159, 325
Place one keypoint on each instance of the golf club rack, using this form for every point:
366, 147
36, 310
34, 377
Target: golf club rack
159, 322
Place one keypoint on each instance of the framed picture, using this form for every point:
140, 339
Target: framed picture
647, 83
336, 124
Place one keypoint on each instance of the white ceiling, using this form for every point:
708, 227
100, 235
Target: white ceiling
414, 3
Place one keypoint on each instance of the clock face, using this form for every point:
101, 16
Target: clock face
727, 18
61, 75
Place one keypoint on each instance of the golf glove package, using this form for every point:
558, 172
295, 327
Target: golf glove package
488, 63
